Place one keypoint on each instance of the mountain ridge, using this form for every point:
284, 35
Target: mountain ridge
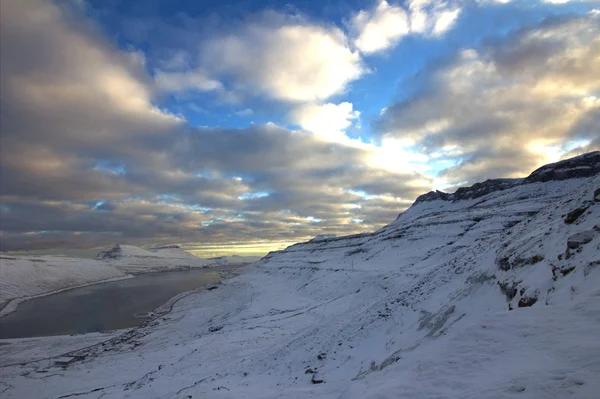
585, 165
487, 297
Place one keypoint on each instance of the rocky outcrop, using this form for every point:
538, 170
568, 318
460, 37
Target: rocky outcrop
585, 165
475, 191
113, 253
579, 239
323, 237
574, 215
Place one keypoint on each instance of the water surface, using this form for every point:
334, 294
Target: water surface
101, 307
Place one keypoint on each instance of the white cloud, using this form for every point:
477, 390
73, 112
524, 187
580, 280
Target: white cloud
291, 61
380, 28
181, 81
509, 106
433, 17
245, 112
328, 121
445, 20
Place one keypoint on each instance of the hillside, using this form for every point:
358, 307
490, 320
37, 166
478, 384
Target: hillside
490, 292
138, 260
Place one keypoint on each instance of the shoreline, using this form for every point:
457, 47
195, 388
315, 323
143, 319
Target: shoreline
119, 334
13, 304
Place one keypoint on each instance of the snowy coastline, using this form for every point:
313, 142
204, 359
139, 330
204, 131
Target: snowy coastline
25, 278
493, 295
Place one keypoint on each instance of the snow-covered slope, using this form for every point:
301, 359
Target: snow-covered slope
22, 277
493, 294
137, 260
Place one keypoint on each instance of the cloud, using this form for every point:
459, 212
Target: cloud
444, 21
181, 81
88, 159
283, 57
328, 121
380, 28
245, 112
432, 17
509, 106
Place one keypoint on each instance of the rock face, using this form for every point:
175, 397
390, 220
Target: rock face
113, 253
586, 165
475, 191
574, 215
323, 237
579, 239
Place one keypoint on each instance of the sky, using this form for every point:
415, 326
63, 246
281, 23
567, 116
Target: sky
240, 127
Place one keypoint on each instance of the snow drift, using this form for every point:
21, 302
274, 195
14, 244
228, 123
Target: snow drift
492, 292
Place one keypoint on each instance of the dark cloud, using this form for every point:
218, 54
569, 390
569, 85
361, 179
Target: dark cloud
88, 159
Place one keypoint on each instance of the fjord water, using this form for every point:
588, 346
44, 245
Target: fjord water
101, 307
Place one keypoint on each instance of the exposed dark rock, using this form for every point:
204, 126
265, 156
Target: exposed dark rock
168, 247
113, 253
212, 287
536, 259
214, 328
597, 195
322, 237
480, 189
504, 264
433, 196
585, 165
509, 289
309, 371
579, 239
475, 191
356, 251
480, 278
567, 270
316, 380
526, 301
574, 215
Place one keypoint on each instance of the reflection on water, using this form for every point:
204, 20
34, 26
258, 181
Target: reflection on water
101, 307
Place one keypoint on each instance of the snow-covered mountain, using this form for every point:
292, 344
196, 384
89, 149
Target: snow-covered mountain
490, 292
138, 260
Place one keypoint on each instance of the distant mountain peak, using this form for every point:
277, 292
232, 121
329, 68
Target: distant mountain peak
585, 165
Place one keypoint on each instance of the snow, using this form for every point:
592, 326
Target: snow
418, 309
138, 260
22, 278
48, 348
